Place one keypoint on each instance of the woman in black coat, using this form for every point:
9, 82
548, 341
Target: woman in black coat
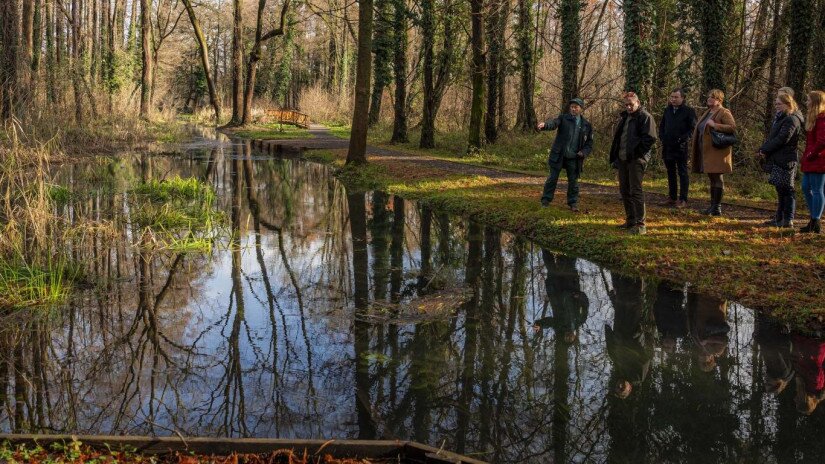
782, 157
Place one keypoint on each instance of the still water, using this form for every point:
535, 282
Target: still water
327, 313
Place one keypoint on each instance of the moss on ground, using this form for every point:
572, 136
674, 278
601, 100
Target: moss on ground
766, 269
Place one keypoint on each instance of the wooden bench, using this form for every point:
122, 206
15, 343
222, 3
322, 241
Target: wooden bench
289, 117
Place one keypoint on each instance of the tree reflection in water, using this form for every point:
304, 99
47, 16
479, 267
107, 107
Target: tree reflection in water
327, 313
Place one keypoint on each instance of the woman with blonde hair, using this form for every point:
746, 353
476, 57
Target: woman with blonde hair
709, 159
782, 156
813, 161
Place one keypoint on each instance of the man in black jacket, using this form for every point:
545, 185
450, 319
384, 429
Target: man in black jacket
573, 143
630, 152
675, 131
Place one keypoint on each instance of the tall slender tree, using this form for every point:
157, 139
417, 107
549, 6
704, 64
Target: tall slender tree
477, 73
801, 36
146, 46
237, 63
638, 46
204, 55
9, 41
817, 63
255, 55
495, 73
570, 46
382, 50
526, 119
400, 22
436, 70
715, 43
357, 153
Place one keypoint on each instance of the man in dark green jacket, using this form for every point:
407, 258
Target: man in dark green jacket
573, 143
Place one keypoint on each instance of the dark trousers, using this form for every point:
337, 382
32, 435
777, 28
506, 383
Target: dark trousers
677, 167
786, 204
571, 166
631, 174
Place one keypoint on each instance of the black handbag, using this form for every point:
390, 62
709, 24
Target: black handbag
722, 140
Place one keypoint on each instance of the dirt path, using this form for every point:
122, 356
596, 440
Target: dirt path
324, 140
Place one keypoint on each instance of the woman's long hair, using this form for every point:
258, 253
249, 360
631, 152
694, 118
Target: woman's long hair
817, 107
789, 102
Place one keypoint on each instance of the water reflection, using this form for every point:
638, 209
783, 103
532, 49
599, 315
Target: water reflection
327, 313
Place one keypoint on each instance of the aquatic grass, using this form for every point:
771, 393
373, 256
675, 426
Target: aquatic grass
177, 189
179, 213
23, 285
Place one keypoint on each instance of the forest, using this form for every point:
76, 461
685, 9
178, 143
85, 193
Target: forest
481, 68
324, 219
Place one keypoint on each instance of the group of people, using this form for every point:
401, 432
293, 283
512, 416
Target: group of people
710, 138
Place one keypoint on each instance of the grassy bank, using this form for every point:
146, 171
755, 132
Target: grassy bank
765, 269
528, 153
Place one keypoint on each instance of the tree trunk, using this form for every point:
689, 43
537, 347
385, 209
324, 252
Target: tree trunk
428, 39
801, 36
9, 37
399, 126
204, 55
715, 47
527, 112
146, 45
436, 75
237, 64
570, 47
255, 56
638, 46
382, 47
477, 43
357, 153
76, 64
495, 43
817, 63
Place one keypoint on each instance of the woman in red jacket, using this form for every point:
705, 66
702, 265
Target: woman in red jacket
813, 161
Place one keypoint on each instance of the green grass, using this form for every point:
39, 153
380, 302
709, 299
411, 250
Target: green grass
23, 285
272, 131
527, 153
340, 131
180, 212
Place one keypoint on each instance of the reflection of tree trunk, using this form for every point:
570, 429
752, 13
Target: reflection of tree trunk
444, 238
20, 387
360, 265
397, 249
426, 247
561, 392
467, 375
490, 293
514, 309
234, 396
379, 229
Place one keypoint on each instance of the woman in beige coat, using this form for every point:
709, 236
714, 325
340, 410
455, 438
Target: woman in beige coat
711, 160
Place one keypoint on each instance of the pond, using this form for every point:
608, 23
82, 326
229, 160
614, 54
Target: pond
317, 312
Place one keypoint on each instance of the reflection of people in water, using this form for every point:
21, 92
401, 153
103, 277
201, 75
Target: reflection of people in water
775, 348
630, 340
669, 312
808, 359
567, 300
708, 328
